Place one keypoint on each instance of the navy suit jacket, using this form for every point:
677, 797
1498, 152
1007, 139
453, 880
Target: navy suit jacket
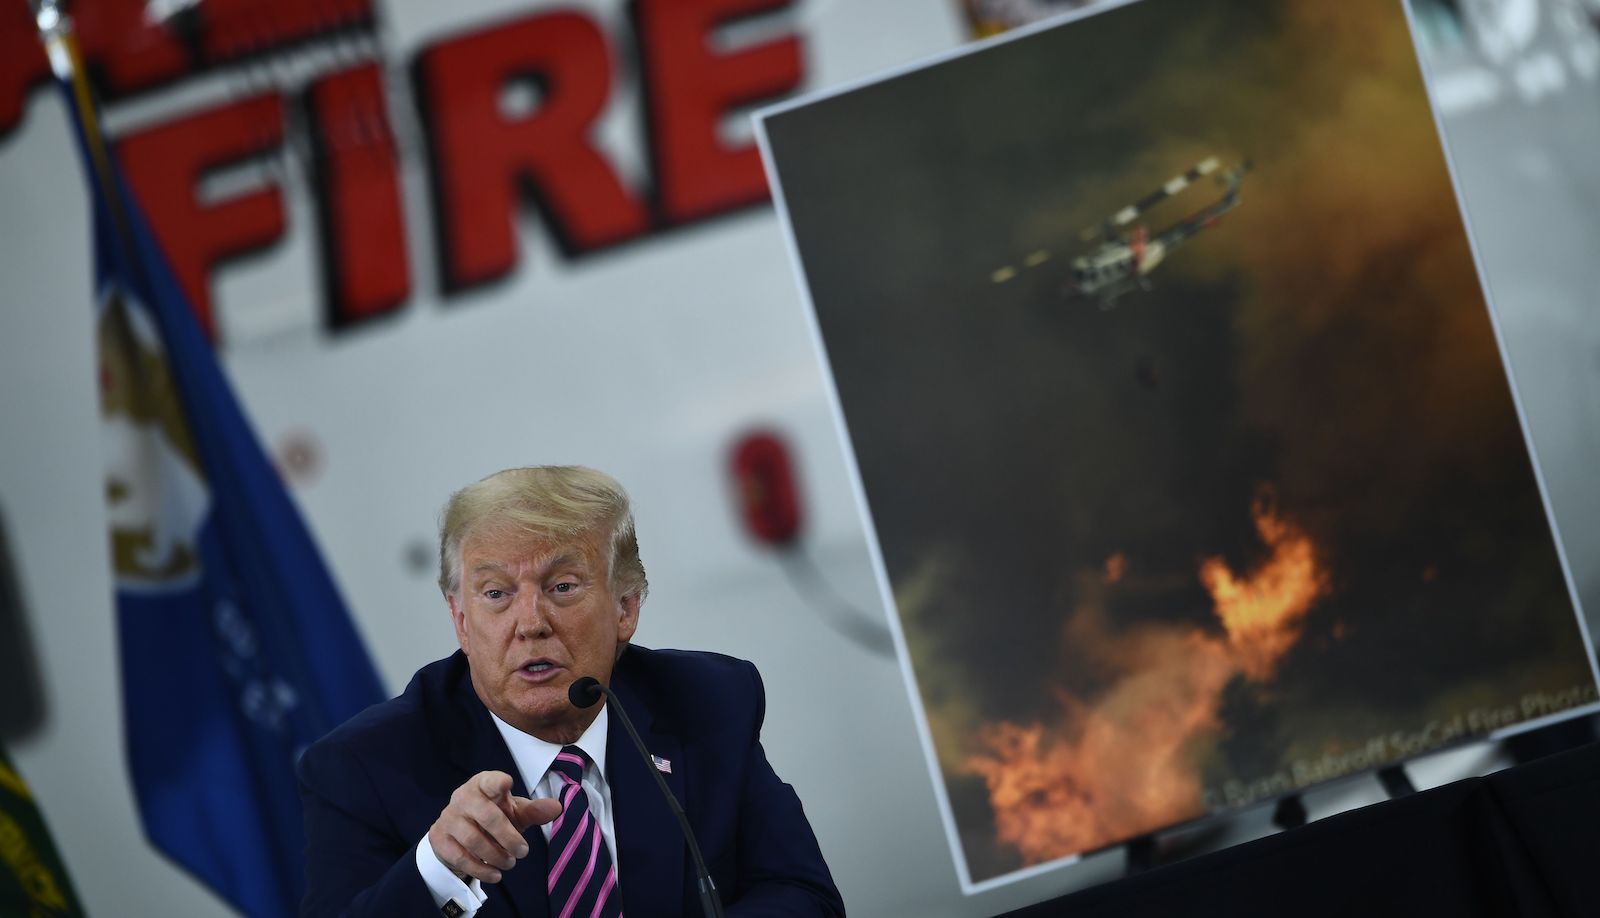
372, 788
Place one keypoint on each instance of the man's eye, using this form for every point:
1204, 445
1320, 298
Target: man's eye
494, 594
565, 587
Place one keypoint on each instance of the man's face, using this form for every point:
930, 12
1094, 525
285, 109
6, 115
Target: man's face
533, 616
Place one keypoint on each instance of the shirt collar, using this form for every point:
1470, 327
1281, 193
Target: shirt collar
534, 756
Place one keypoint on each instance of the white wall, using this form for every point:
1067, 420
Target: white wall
647, 362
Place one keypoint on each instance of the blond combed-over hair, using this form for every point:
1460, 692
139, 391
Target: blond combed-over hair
553, 502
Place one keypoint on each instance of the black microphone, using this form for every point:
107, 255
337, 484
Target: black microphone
585, 693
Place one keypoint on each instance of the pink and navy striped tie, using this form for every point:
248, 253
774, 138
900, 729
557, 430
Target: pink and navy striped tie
583, 882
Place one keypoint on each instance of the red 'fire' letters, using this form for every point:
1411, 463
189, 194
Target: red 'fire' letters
481, 156
364, 262
691, 88
485, 160
127, 51
164, 164
123, 49
232, 29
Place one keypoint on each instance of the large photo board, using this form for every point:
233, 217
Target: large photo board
1179, 416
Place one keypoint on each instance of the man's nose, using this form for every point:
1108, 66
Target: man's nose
533, 619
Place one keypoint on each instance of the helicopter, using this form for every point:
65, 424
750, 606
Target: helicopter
1123, 258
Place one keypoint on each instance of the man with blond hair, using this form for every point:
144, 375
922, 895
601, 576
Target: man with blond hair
483, 790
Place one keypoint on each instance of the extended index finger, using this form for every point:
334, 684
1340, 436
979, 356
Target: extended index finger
499, 822
496, 785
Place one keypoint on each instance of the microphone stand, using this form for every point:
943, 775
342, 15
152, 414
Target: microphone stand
584, 693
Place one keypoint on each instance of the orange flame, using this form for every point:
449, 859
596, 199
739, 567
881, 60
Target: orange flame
1130, 762
1264, 612
1127, 771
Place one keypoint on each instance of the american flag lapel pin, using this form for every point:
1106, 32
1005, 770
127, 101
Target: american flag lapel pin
662, 765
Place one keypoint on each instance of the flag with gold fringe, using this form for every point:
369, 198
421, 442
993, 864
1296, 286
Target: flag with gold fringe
237, 651
33, 882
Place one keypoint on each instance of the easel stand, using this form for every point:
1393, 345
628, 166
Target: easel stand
1558, 737
1143, 853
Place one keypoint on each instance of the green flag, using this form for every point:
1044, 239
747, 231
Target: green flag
33, 883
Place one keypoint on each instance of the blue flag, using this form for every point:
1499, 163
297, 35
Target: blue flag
236, 649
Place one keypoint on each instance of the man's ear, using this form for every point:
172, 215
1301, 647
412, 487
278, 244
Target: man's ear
629, 622
459, 620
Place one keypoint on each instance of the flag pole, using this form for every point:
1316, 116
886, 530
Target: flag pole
236, 649
66, 61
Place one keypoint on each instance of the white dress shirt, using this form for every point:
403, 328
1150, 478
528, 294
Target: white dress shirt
533, 757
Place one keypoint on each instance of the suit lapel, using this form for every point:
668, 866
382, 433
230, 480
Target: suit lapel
475, 745
650, 846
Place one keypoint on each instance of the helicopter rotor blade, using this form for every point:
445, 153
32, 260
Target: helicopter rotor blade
1173, 186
